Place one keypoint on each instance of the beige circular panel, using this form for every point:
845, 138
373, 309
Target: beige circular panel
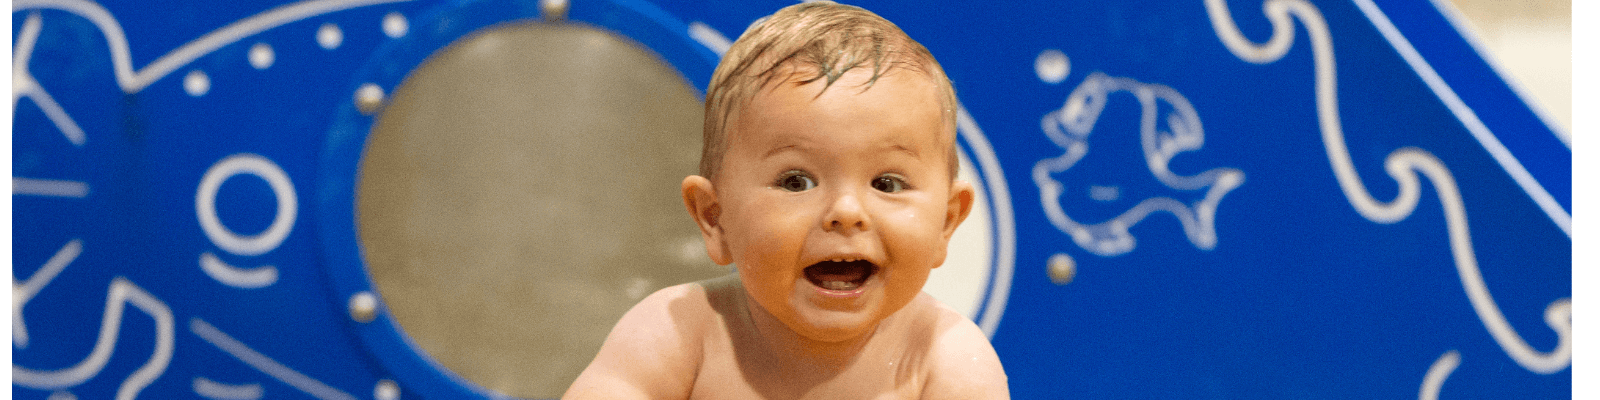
520, 192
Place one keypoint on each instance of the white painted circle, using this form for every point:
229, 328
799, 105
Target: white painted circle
329, 36
261, 56
205, 202
977, 271
1052, 66
196, 83
395, 25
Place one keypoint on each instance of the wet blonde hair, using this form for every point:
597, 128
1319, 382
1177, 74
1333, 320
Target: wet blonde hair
805, 43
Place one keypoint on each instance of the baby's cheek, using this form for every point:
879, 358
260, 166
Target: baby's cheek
915, 230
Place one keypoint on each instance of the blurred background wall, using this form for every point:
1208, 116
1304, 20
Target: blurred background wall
1531, 41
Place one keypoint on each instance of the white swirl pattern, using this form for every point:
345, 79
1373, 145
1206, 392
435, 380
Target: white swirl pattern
1404, 166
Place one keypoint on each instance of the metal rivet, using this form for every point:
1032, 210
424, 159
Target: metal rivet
363, 307
554, 10
1062, 269
369, 98
386, 390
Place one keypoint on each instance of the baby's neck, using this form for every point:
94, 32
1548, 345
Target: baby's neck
804, 352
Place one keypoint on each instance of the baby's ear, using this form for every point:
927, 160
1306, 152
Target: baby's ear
700, 197
961, 198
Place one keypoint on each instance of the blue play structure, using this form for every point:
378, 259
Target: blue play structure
1203, 199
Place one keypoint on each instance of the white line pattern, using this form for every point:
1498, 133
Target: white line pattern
133, 81
23, 84
221, 391
1403, 165
121, 292
264, 364
1437, 373
22, 292
1479, 131
49, 188
253, 278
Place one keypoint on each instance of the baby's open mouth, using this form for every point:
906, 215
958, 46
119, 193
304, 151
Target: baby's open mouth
840, 275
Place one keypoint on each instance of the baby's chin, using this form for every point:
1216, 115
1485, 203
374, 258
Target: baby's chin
832, 326
839, 328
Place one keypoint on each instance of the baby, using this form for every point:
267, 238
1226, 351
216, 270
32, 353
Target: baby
828, 179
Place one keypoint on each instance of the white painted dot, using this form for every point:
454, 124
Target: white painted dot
1052, 66
395, 25
62, 395
329, 36
196, 83
261, 56
386, 390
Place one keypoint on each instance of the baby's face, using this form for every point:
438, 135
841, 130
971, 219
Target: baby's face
836, 207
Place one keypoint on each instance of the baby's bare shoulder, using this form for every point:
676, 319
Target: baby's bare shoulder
652, 352
961, 362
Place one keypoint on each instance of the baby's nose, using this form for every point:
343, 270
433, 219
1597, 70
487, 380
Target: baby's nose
845, 214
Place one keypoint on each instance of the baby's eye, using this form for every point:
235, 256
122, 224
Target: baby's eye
796, 181
889, 183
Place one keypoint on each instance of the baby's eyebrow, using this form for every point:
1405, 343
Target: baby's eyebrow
904, 149
779, 149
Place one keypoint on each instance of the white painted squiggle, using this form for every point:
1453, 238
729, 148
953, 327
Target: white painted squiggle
132, 81
1069, 127
1404, 166
1437, 373
121, 292
264, 364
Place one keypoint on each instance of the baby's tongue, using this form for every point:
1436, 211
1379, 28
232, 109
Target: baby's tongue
832, 275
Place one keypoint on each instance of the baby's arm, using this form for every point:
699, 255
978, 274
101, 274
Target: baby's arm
652, 353
965, 365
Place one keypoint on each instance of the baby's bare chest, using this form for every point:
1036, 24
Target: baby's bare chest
739, 372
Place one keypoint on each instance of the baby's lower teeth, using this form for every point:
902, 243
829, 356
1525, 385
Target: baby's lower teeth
837, 285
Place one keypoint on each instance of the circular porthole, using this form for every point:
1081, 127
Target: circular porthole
518, 195
509, 189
